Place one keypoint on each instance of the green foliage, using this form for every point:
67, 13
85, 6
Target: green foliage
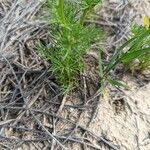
87, 7
136, 49
91, 3
72, 39
140, 47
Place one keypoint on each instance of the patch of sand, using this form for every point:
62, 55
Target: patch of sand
130, 128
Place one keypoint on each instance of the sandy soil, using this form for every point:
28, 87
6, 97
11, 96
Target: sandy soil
126, 119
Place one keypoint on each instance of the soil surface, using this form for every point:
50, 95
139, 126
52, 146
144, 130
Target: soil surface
125, 118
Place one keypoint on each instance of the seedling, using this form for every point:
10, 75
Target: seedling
139, 47
134, 53
72, 39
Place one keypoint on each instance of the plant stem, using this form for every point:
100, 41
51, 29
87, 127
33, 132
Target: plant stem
83, 16
101, 73
100, 65
61, 7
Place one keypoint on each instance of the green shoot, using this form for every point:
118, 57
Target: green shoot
136, 49
72, 40
140, 48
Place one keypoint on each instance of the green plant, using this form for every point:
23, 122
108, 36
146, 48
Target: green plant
141, 42
136, 49
72, 39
